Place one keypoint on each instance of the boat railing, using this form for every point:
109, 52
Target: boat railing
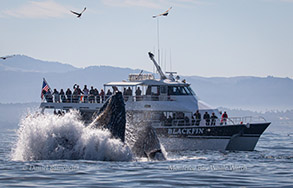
217, 122
101, 99
247, 119
74, 99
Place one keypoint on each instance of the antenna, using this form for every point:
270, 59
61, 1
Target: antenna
158, 33
163, 76
158, 30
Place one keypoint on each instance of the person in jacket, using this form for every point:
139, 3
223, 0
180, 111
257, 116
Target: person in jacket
213, 119
102, 95
97, 95
224, 118
138, 94
197, 117
69, 95
85, 94
56, 96
92, 95
109, 93
207, 117
62, 96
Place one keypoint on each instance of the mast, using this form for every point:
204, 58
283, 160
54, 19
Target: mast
162, 75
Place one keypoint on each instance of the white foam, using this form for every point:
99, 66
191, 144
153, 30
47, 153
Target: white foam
51, 137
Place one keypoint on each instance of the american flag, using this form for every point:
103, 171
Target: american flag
44, 87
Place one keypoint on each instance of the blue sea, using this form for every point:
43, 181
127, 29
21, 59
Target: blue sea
25, 161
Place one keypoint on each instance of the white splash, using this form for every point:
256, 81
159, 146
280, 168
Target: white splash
51, 137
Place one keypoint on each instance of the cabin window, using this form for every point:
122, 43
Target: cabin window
190, 90
183, 91
164, 90
178, 90
153, 90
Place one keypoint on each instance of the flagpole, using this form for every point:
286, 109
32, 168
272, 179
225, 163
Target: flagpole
158, 30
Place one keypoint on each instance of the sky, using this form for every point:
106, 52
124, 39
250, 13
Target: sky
207, 38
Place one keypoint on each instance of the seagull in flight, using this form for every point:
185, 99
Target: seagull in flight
78, 14
5, 57
164, 13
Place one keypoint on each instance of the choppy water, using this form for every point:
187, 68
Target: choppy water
270, 165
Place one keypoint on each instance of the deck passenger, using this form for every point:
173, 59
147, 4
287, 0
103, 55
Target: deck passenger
197, 117
69, 95
85, 94
92, 96
102, 95
214, 119
129, 91
149, 90
97, 95
48, 96
109, 93
224, 118
56, 96
125, 94
62, 96
138, 94
77, 94
207, 117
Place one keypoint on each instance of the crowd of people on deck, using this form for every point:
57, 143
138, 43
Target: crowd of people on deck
181, 119
92, 95
210, 119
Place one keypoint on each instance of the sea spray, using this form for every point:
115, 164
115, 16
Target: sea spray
51, 137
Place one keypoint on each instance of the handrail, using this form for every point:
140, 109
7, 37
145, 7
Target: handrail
217, 122
100, 99
50, 98
247, 119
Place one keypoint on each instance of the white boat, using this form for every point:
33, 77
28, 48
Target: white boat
169, 105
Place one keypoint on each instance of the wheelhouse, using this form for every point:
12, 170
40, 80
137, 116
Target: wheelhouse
151, 89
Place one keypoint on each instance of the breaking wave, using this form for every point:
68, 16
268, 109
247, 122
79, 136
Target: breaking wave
51, 137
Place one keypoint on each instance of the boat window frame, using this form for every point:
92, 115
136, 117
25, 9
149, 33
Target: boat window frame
181, 90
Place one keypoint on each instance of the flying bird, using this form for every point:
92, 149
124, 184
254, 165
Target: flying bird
5, 57
78, 14
164, 13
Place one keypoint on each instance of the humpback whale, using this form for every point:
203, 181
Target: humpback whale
141, 137
143, 141
111, 116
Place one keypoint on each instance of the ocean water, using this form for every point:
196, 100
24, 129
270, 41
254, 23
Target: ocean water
93, 159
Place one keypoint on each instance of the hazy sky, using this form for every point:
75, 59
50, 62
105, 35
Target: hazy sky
198, 37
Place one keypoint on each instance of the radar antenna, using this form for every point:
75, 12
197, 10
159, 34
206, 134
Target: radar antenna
163, 76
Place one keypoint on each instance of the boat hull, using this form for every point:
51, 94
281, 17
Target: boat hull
229, 137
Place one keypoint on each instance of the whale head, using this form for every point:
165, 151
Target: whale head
111, 116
